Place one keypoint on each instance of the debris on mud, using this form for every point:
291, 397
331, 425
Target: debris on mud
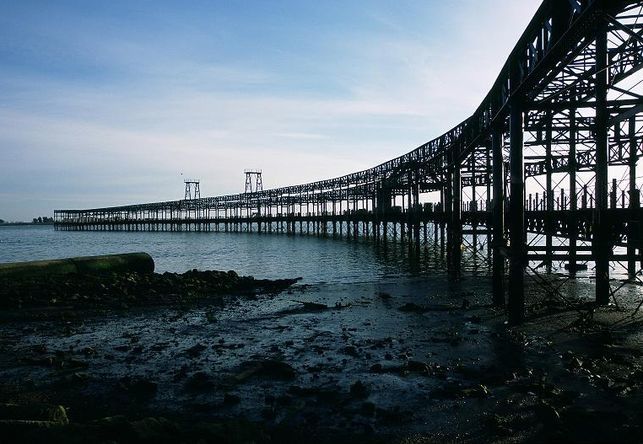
410, 307
312, 306
267, 368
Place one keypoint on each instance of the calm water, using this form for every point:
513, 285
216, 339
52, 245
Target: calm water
264, 256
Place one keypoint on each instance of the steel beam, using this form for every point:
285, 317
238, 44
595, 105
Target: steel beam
600, 240
498, 216
516, 302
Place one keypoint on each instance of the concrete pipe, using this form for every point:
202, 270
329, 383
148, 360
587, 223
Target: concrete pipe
110, 263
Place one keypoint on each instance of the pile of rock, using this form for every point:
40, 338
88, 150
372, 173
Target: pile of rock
125, 289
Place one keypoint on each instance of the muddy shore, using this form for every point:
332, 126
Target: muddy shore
215, 357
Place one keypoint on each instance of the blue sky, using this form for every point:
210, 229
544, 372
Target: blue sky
108, 102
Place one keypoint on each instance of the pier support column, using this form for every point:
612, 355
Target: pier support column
457, 219
573, 199
600, 240
258, 218
516, 303
454, 241
416, 214
445, 213
473, 205
487, 204
635, 202
374, 214
549, 194
409, 220
448, 208
498, 216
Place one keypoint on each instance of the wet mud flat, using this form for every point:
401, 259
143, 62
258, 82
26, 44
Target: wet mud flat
398, 360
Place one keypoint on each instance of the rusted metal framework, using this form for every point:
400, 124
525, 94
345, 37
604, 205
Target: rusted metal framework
192, 189
258, 182
543, 173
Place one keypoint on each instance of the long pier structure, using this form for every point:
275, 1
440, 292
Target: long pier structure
544, 172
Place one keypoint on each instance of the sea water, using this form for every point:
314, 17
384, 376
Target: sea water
269, 256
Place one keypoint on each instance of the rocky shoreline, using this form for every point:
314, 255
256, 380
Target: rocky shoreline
131, 289
215, 357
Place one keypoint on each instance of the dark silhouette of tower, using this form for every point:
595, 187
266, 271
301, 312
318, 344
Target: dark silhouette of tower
192, 188
258, 182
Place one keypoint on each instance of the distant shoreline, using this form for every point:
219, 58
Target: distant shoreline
14, 224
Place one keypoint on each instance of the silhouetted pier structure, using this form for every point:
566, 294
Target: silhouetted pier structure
544, 171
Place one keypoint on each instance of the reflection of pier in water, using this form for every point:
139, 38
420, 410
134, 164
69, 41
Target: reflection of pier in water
543, 173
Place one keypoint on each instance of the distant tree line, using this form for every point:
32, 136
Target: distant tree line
43, 220
35, 220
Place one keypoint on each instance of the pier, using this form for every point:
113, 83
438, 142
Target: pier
543, 176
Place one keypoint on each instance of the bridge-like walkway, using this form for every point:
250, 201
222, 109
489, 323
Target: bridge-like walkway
544, 171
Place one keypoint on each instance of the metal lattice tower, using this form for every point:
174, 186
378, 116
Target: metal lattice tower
192, 186
258, 182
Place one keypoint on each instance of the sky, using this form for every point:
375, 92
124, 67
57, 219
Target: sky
115, 102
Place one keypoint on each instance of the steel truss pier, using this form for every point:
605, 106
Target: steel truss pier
543, 173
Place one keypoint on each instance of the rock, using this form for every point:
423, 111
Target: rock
181, 373
350, 351
88, 351
199, 381
547, 414
152, 430
268, 368
230, 399
368, 409
312, 306
575, 363
453, 390
121, 290
55, 414
269, 413
141, 388
283, 400
480, 391
195, 350
417, 366
359, 390
393, 416
500, 424
330, 394
410, 307
59, 361
79, 377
